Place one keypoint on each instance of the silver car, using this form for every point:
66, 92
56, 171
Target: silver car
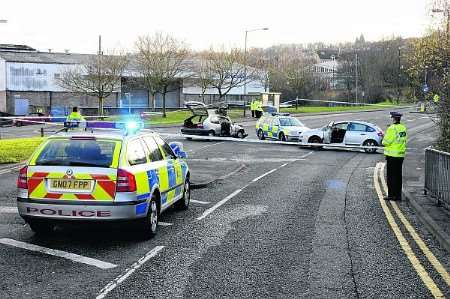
346, 133
210, 122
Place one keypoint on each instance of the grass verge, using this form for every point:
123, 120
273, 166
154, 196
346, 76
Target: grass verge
17, 150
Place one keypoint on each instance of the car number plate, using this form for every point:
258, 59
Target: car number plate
67, 184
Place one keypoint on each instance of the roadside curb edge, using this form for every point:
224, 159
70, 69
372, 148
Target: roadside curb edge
442, 237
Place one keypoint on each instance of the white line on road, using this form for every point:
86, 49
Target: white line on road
59, 253
200, 202
8, 210
217, 205
220, 203
161, 223
113, 284
206, 146
263, 175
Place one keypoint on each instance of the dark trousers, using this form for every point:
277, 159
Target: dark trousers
253, 113
394, 177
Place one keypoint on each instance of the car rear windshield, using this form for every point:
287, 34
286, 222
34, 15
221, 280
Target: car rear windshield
68, 152
290, 121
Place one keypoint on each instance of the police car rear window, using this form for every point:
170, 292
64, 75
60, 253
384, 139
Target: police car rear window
69, 152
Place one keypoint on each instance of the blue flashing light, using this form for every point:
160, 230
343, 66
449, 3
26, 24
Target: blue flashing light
131, 125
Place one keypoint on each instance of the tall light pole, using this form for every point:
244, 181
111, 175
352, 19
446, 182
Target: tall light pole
245, 59
446, 11
356, 75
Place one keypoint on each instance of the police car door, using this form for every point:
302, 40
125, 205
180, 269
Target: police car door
174, 175
157, 163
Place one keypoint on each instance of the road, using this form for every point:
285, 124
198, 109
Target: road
294, 223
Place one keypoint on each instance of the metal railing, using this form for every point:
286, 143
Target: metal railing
437, 176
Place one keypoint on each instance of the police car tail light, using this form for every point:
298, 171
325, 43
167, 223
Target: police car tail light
381, 134
22, 181
126, 182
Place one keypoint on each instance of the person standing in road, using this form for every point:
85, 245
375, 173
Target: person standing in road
252, 107
394, 143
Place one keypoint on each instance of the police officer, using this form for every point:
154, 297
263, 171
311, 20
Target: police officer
259, 110
252, 107
394, 149
75, 116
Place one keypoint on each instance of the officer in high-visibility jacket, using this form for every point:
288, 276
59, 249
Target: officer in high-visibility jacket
252, 107
75, 116
394, 143
258, 109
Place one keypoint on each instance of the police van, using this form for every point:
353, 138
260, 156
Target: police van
104, 175
279, 126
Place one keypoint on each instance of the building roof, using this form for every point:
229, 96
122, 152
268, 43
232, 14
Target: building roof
44, 57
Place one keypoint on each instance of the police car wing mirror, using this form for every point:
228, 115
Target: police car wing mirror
177, 148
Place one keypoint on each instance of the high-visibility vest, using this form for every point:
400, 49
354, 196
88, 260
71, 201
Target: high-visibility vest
74, 116
258, 106
252, 105
395, 141
436, 98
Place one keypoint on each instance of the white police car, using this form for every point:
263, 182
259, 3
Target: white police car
103, 175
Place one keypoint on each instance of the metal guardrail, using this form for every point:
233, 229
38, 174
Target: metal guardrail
437, 176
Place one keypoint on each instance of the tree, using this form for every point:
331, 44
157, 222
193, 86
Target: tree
227, 70
161, 63
99, 77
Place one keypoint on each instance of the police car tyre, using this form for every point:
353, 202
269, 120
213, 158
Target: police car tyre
150, 222
282, 137
183, 203
370, 142
260, 134
211, 133
40, 227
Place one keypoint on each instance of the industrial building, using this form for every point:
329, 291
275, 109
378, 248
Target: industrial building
28, 83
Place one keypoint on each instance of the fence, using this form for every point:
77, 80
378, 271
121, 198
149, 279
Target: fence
437, 176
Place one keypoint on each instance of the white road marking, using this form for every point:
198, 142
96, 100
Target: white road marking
283, 165
217, 205
161, 223
263, 175
200, 202
59, 253
118, 280
206, 146
8, 210
306, 155
8, 170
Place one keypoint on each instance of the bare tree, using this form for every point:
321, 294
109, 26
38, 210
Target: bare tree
201, 74
161, 62
227, 70
99, 76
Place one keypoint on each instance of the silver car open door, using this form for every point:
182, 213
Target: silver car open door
327, 132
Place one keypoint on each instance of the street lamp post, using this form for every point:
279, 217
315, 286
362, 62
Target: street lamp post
245, 60
447, 12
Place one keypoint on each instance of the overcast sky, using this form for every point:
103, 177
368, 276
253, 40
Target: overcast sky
76, 24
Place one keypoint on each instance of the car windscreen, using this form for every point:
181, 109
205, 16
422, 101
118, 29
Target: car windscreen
68, 152
290, 121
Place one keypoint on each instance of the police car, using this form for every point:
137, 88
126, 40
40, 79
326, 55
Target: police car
103, 175
279, 126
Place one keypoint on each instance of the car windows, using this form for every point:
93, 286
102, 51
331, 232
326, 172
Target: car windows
136, 153
165, 148
214, 119
290, 121
68, 152
275, 122
357, 127
341, 126
370, 129
154, 153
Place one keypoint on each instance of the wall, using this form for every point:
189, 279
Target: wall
45, 99
34, 76
252, 87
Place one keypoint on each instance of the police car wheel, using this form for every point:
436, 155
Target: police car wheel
40, 227
183, 203
370, 143
151, 221
282, 137
260, 135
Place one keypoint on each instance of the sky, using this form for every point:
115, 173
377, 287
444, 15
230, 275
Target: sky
76, 24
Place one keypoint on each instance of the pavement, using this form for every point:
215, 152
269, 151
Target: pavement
436, 218
292, 223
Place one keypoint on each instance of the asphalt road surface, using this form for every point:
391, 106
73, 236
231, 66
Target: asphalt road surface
294, 223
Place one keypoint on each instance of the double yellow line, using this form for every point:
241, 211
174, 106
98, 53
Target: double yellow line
423, 274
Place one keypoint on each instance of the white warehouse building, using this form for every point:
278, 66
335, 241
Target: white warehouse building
28, 83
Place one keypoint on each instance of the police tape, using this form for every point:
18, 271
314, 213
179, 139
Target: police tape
346, 103
256, 141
